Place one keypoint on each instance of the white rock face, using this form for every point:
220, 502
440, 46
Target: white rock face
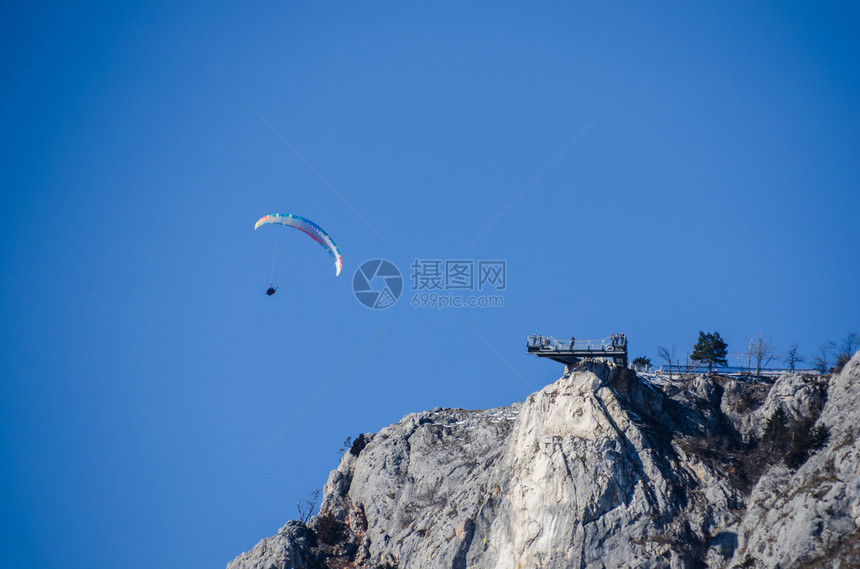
290, 548
811, 517
600, 469
420, 484
577, 485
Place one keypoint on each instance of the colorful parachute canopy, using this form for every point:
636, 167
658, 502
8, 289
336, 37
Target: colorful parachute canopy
315, 231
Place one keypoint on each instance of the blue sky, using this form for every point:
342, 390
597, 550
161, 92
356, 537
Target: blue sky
709, 182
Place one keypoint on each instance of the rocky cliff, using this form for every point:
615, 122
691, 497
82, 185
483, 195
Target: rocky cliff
602, 469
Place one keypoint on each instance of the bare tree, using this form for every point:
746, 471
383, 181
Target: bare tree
820, 361
846, 348
763, 351
744, 358
792, 357
740, 357
308, 506
668, 355
749, 354
345, 447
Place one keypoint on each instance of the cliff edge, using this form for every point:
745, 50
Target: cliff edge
603, 468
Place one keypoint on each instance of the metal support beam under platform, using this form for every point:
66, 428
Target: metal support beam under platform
572, 351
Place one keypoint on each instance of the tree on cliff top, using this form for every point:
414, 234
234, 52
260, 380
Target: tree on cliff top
763, 352
710, 349
845, 350
792, 357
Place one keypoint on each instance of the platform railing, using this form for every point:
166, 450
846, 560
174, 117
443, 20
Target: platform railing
732, 370
610, 343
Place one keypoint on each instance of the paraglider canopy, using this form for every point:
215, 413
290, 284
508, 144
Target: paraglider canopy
310, 228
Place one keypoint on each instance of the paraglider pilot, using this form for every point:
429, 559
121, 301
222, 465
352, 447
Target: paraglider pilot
271, 290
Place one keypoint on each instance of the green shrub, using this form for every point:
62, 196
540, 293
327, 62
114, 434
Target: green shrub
776, 434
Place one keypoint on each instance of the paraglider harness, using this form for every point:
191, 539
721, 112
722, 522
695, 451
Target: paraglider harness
271, 290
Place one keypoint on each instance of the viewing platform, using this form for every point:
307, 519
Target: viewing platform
570, 352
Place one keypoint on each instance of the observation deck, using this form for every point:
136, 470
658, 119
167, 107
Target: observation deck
570, 352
